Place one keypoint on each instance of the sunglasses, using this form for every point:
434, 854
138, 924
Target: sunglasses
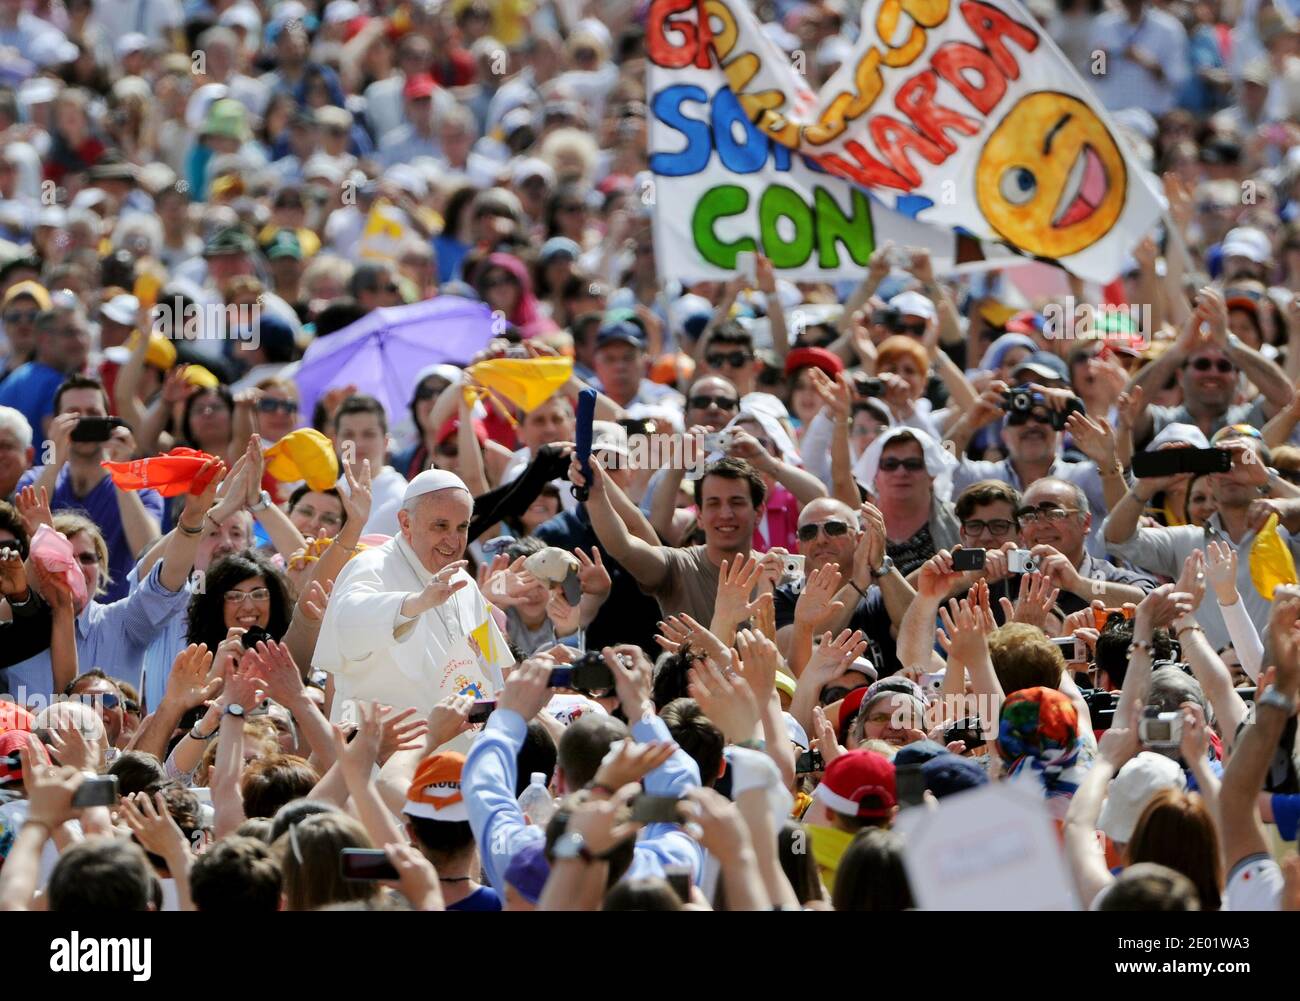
997, 526
21, 316
911, 465
833, 528
427, 392
1219, 365
912, 329
267, 406
736, 359
703, 402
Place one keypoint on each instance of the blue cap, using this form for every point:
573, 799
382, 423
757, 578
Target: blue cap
919, 752
620, 328
1045, 365
558, 246
949, 773
528, 871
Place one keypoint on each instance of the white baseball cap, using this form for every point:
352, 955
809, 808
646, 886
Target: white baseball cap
1130, 792
914, 304
1248, 242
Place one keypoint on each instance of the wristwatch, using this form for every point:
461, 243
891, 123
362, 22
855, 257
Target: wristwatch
262, 504
234, 709
885, 569
571, 846
1277, 700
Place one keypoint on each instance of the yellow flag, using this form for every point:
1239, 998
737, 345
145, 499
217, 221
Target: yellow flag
482, 636
1271, 562
829, 846
384, 233
305, 454
525, 382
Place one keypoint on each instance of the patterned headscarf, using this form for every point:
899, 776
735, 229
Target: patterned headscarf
1039, 730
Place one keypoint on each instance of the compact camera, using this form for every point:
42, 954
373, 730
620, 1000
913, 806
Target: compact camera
1021, 561
1160, 730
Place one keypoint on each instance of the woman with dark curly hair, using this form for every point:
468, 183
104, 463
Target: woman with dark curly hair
241, 591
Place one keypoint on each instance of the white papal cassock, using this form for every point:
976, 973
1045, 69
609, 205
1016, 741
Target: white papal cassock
378, 655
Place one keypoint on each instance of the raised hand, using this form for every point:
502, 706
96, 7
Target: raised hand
197, 505
836, 394
832, 657
437, 591
527, 688
242, 683
34, 508
628, 761
399, 732
1191, 581
188, 685
937, 576
357, 757
736, 580
283, 678
359, 496
1036, 600
315, 599
566, 618
153, 826
699, 638
759, 661
1161, 607
592, 575
826, 740
448, 718
816, 602
727, 700
964, 634
509, 583
1221, 571
1095, 438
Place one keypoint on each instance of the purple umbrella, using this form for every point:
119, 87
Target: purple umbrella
382, 352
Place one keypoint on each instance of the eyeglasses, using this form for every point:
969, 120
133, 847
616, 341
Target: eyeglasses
862, 430
427, 391
88, 559
912, 329
834, 529
1025, 416
21, 316
258, 594
208, 409
1029, 515
995, 526
324, 520
269, 406
736, 359
1219, 365
703, 402
911, 465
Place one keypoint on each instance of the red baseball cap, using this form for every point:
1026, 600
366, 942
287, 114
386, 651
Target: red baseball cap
420, 85
11, 742
849, 706
859, 784
452, 425
828, 361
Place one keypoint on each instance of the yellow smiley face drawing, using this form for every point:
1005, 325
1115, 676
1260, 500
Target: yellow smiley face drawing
1051, 179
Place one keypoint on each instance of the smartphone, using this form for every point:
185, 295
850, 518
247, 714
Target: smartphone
366, 864
571, 587
809, 762
638, 426
910, 785
747, 264
679, 878
968, 559
647, 809
95, 429
1174, 461
1100, 616
98, 791
483, 708
255, 634
970, 731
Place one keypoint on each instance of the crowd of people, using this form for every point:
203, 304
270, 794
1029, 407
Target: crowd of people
839, 551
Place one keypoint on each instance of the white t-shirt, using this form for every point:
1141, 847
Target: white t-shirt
1255, 884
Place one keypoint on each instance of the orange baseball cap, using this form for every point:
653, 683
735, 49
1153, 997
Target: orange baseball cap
435, 790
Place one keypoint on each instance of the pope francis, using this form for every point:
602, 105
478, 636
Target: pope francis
406, 625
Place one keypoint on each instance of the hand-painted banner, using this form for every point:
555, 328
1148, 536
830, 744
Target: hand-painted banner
723, 188
961, 113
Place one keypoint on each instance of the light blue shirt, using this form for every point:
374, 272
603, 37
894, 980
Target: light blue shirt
111, 637
169, 640
488, 787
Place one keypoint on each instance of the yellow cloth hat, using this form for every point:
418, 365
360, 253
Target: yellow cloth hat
197, 375
1271, 562
305, 454
525, 382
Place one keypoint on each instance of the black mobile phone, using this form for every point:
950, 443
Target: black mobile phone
968, 559
1060, 417
366, 864
679, 878
808, 762
970, 731
96, 429
483, 708
255, 634
1174, 461
571, 587
647, 809
910, 785
637, 426
98, 791
592, 674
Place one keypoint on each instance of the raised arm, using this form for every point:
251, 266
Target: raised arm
1221, 571
646, 563
1157, 610
1082, 848
803, 485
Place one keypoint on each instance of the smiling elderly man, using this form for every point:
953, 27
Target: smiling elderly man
406, 625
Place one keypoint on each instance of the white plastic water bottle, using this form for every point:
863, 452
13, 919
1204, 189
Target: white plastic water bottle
536, 802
